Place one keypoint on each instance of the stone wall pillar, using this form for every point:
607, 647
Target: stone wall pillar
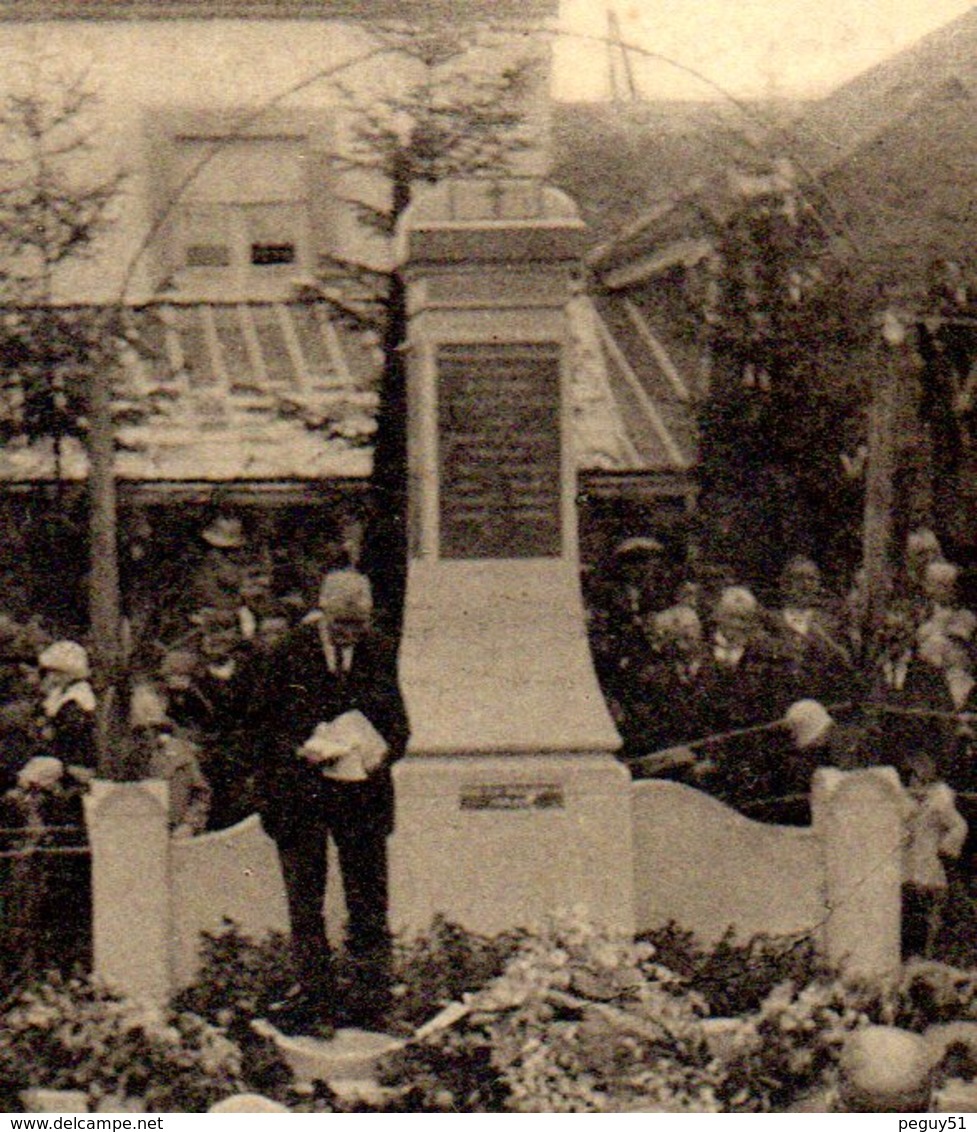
859, 817
129, 837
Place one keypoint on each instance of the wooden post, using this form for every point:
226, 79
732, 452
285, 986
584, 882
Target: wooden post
880, 473
103, 594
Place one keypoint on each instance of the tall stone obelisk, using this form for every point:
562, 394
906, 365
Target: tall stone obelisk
510, 803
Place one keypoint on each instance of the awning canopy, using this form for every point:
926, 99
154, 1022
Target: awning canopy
247, 392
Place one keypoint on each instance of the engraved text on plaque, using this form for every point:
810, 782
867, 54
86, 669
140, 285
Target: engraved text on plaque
499, 436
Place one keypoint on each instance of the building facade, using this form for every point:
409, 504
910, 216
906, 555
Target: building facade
234, 125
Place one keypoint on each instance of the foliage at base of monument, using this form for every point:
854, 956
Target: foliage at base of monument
240, 977
577, 1022
71, 1033
568, 1019
792, 1044
733, 977
444, 964
935, 992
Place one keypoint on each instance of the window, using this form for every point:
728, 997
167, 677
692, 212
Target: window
265, 255
242, 223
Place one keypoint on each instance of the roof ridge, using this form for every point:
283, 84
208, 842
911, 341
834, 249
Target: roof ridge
865, 104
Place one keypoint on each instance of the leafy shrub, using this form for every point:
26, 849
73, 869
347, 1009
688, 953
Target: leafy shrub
239, 977
793, 1043
70, 1033
572, 1020
735, 978
444, 964
929, 992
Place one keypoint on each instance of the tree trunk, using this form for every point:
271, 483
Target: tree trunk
880, 486
103, 603
386, 549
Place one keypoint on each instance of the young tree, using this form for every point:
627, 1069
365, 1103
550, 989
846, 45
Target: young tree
787, 324
457, 107
56, 202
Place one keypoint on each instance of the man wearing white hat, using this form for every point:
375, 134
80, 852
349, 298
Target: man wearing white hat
322, 720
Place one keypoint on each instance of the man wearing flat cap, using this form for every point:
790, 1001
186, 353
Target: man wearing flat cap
321, 720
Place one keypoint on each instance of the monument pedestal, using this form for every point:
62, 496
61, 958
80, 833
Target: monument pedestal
495, 841
495, 659
510, 804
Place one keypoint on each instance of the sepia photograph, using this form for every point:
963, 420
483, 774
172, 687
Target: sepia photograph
488, 557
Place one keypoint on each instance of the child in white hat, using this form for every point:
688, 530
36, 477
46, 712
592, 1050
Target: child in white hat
68, 706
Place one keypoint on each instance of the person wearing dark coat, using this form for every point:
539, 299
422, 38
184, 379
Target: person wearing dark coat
818, 739
69, 704
329, 666
51, 893
670, 705
819, 660
747, 681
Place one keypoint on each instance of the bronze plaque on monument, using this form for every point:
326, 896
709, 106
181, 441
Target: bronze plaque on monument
499, 436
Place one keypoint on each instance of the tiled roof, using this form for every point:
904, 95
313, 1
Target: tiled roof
240, 348
246, 392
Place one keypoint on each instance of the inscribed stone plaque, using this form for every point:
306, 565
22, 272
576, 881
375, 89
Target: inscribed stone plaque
513, 796
499, 433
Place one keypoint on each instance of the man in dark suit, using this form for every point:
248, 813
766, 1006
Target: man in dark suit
746, 680
330, 665
819, 664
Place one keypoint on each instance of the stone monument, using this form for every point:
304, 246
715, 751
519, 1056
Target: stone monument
510, 803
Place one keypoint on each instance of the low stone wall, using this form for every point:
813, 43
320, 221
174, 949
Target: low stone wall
230, 874
696, 862
708, 868
233, 874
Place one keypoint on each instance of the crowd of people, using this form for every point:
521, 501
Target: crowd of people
706, 684
744, 699
299, 722
48, 753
